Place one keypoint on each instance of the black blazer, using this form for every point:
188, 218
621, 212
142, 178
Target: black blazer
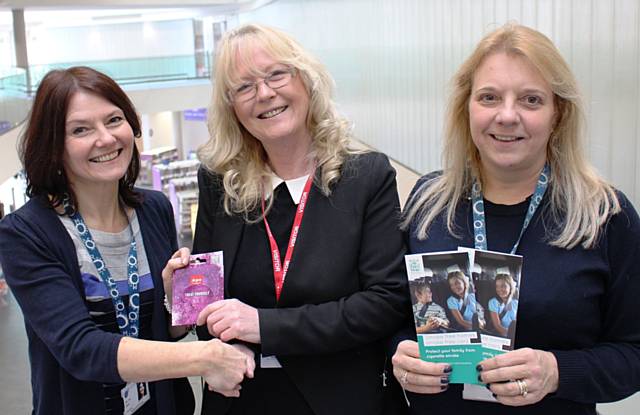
345, 291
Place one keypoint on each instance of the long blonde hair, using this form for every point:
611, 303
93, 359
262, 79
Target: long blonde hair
581, 201
239, 157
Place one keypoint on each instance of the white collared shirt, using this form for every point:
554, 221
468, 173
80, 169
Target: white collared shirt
295, 186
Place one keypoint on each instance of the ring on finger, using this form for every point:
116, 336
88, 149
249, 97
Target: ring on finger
403, 379
522, 385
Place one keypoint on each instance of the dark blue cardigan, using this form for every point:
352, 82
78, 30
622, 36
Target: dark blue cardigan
71, 357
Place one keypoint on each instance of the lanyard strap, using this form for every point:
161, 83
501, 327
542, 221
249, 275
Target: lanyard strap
128, 322
280, 271
479, 227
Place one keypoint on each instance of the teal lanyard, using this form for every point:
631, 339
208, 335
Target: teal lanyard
128, 321
479, 226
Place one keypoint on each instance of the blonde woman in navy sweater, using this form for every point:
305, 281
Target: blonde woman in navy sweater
513, 150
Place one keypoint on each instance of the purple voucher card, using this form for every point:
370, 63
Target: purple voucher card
196, 286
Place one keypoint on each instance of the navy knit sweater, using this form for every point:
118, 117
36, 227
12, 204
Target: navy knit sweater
580, 304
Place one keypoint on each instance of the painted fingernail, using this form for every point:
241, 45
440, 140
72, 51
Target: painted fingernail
448, 369
480, 378
444, 387
479, 368
494, 395
444, 380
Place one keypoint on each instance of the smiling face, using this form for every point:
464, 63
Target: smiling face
503, 289
457, 286
511, 112
273, 116
98, 142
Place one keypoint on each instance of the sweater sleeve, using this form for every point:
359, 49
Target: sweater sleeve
610, 370
52, 303
373, 312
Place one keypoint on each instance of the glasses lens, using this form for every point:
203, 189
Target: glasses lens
247, 91
278, 78
244, 92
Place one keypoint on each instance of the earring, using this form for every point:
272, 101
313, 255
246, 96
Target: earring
59, 172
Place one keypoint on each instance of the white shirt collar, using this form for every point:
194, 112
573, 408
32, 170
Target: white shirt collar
295, 186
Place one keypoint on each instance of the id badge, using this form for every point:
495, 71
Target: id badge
269, 362
134, 395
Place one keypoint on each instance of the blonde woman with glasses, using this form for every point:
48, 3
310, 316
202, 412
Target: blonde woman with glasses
308, 226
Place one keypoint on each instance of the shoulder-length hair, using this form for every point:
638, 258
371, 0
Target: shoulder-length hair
508, 279
580, 200
459, 275
239, 157
42, 143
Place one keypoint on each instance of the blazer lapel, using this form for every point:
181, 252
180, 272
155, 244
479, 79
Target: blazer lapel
228, 231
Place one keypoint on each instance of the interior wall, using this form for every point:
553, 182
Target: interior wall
7, 55
160, 129
110, 41
194, 134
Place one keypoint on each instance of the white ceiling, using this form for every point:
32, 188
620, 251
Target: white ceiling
48, 13
93, 4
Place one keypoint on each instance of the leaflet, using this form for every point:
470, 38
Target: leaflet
198, 284
465, 306
444, 312
497, 280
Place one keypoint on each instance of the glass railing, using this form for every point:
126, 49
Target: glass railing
14, 103
15, 91
129, 71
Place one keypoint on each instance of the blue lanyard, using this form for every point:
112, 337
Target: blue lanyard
128, 322
479, 228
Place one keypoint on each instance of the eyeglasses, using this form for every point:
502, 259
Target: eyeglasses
248, 90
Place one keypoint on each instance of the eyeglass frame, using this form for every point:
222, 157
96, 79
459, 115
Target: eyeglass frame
292, 70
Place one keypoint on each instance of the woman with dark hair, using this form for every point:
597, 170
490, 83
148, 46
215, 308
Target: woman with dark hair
85, 259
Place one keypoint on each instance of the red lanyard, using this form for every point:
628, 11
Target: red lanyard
280, 272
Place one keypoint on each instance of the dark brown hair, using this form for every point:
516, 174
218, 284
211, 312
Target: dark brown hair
42, 144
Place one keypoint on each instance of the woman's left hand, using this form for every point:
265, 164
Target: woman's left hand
231, 319
520, 377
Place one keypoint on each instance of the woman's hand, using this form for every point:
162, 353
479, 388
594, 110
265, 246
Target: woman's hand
179, 259
520, 377
226, 366
416, 375
251, 361
231, 319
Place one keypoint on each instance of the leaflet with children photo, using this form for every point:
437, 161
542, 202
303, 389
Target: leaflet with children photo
496, 277
445, 311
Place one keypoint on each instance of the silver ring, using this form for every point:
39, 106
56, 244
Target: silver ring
403, 379
522, 385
